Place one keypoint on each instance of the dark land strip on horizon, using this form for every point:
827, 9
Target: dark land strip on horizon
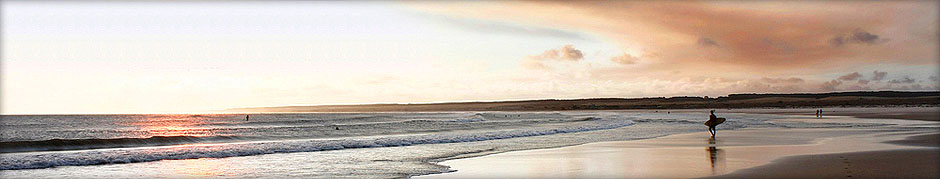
795, 100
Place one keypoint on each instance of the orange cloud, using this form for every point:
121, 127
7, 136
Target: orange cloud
565, 53
734, 38
752, 46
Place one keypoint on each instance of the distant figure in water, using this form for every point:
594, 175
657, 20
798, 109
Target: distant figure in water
712, 122
337, 127
247, 117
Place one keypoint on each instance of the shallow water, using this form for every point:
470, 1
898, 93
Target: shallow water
335, 145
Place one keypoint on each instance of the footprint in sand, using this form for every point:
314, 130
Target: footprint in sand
848, 173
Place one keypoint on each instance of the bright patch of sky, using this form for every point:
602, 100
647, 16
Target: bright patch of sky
139, 57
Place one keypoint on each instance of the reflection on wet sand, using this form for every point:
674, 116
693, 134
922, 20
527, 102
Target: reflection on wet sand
715, 155
204, 167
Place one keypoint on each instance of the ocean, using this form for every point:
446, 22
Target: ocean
326, 145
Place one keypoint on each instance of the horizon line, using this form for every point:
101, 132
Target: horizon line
223, 111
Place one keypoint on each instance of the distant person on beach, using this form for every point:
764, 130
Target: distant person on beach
712, 122
247, 117
817, 113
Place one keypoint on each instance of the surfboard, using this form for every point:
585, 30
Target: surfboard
715, 122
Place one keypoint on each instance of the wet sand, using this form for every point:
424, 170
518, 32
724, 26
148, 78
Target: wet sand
748, 153
909, 163
912, 163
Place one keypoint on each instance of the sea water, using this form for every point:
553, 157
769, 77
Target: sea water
331, 145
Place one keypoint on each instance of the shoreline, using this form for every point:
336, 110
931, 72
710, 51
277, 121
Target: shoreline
732, 153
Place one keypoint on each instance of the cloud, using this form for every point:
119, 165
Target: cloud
765, 37
858, 36
569, 53
879, 75
565, 53
903, 80
781, 80
625, 59
831, 85
904, 83
707, 42
864, 37
850, 77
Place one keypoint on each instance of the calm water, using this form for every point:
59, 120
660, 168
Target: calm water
335, 145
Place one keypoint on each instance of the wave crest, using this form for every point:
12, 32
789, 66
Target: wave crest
16, 161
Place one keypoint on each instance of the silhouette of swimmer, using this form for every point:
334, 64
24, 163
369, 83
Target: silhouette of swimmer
712, 122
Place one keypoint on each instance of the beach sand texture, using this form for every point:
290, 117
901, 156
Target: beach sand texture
749, 153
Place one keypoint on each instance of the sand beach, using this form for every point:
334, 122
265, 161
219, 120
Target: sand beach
871, 152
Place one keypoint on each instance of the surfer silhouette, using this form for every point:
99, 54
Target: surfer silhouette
712, 122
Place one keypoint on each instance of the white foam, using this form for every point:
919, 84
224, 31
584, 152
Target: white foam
110, 156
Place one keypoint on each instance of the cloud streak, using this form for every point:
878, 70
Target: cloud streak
707, 42
781, 80
850, 76
859, 36
904, 80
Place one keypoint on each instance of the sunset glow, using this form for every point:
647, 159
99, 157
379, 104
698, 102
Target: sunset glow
201, 56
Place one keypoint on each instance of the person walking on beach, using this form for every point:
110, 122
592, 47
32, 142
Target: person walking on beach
817, 113
712, 122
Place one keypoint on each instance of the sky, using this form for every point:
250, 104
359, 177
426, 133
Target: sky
197, 56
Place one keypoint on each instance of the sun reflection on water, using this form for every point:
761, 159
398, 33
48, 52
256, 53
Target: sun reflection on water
173, 125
